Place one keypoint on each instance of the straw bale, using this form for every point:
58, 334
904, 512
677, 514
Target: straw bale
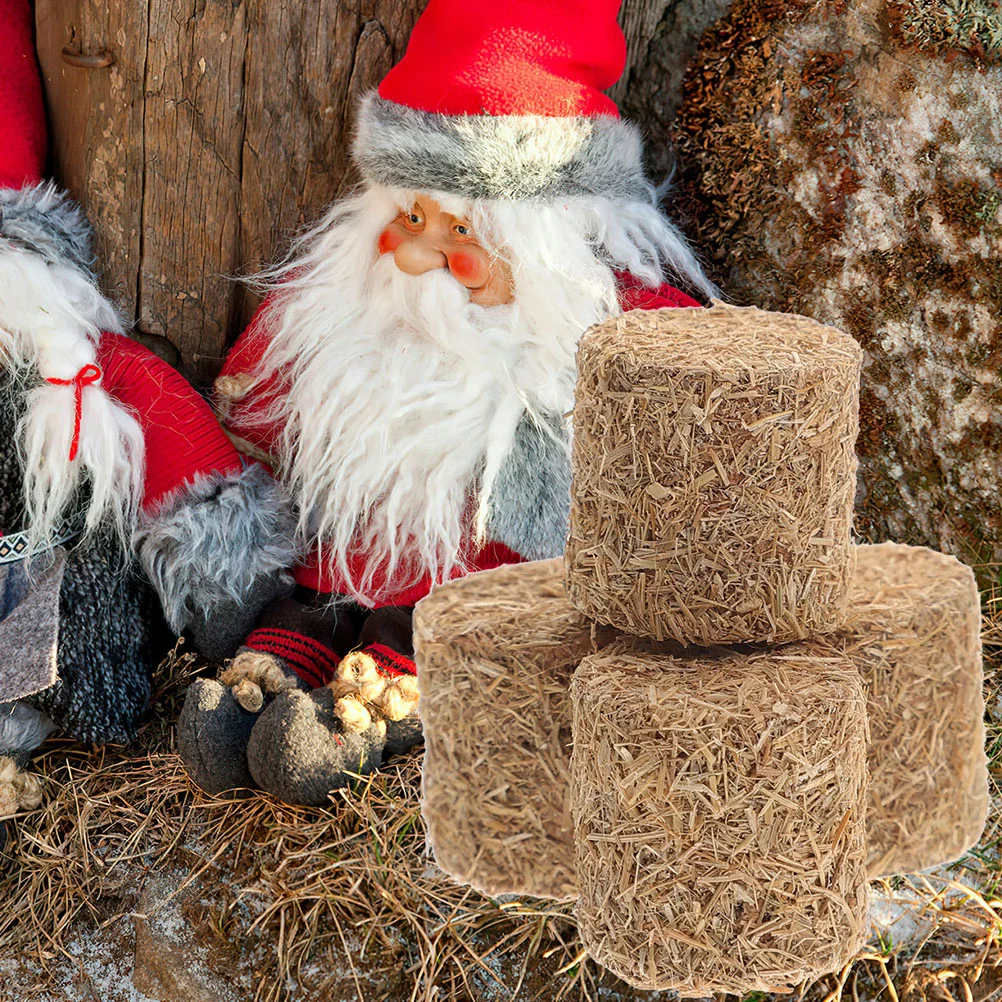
914, 634
719, 808
714, 474
495, 652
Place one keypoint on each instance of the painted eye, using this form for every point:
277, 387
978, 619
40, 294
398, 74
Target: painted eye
462, 229
413, 219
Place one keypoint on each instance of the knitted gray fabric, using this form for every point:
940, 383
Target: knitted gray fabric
299, 752
212, 735
110, 626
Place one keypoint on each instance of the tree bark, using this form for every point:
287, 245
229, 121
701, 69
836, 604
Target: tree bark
219, 130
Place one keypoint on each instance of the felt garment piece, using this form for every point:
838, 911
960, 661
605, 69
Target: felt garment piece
212, 735
29, 626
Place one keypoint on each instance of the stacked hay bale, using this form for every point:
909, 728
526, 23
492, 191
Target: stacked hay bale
496, 651
710, 812
914, 633
718, 803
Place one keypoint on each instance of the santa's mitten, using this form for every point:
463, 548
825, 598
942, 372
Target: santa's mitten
212, 735
19, 790
300, 749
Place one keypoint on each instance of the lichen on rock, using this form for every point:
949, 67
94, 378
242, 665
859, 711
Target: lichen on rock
835, 167
971, 26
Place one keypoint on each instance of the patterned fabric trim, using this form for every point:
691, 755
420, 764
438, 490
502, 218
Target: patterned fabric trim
309, 659
389, 662
17, 547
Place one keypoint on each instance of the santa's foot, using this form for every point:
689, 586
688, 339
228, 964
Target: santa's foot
212, 735
19, 790
403, 735
300, 748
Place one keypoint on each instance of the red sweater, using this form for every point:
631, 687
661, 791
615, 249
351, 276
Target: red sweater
183, 438
245, 356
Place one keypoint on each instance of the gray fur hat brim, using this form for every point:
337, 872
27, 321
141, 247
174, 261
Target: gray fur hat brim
499, 157
42, 219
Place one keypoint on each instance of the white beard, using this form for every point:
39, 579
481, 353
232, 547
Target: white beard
395, 428
51, 318
398, 399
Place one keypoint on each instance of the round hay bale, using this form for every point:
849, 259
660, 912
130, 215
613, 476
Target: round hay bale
495, 653
714, 474
719, 804
914, 634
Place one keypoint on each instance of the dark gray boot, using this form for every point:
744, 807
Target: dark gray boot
212, 735
403, 735
299, 749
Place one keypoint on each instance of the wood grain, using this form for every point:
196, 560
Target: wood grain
96, 125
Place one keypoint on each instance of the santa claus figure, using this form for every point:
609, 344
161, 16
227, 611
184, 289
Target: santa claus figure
106, 454
410, 374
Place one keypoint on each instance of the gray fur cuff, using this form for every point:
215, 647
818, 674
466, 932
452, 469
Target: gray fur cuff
210, 546
500, 156
531, 500
44, 220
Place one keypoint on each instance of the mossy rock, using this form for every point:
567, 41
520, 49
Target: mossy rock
844, 160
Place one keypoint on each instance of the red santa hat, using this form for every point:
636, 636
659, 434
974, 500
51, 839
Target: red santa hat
504, 100
34, 215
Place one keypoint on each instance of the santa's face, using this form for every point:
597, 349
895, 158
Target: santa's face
426, 238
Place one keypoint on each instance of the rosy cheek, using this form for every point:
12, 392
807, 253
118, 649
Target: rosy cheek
465, 267
389, 241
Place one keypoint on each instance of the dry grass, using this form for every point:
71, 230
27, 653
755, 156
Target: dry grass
272, 914
284, 890
719, 804
714, 474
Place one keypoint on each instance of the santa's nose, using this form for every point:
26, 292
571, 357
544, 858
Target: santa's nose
415, 257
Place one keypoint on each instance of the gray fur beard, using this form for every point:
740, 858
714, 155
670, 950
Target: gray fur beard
530, 502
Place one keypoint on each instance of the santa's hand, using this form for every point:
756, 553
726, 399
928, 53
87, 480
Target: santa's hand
254, 674
19, 791
364, 691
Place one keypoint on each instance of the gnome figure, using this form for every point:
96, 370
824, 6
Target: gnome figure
114, 475
408, 377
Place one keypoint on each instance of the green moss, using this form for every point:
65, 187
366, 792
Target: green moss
972, 27
971, 208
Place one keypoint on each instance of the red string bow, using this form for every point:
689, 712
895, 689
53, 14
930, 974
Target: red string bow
87, 376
